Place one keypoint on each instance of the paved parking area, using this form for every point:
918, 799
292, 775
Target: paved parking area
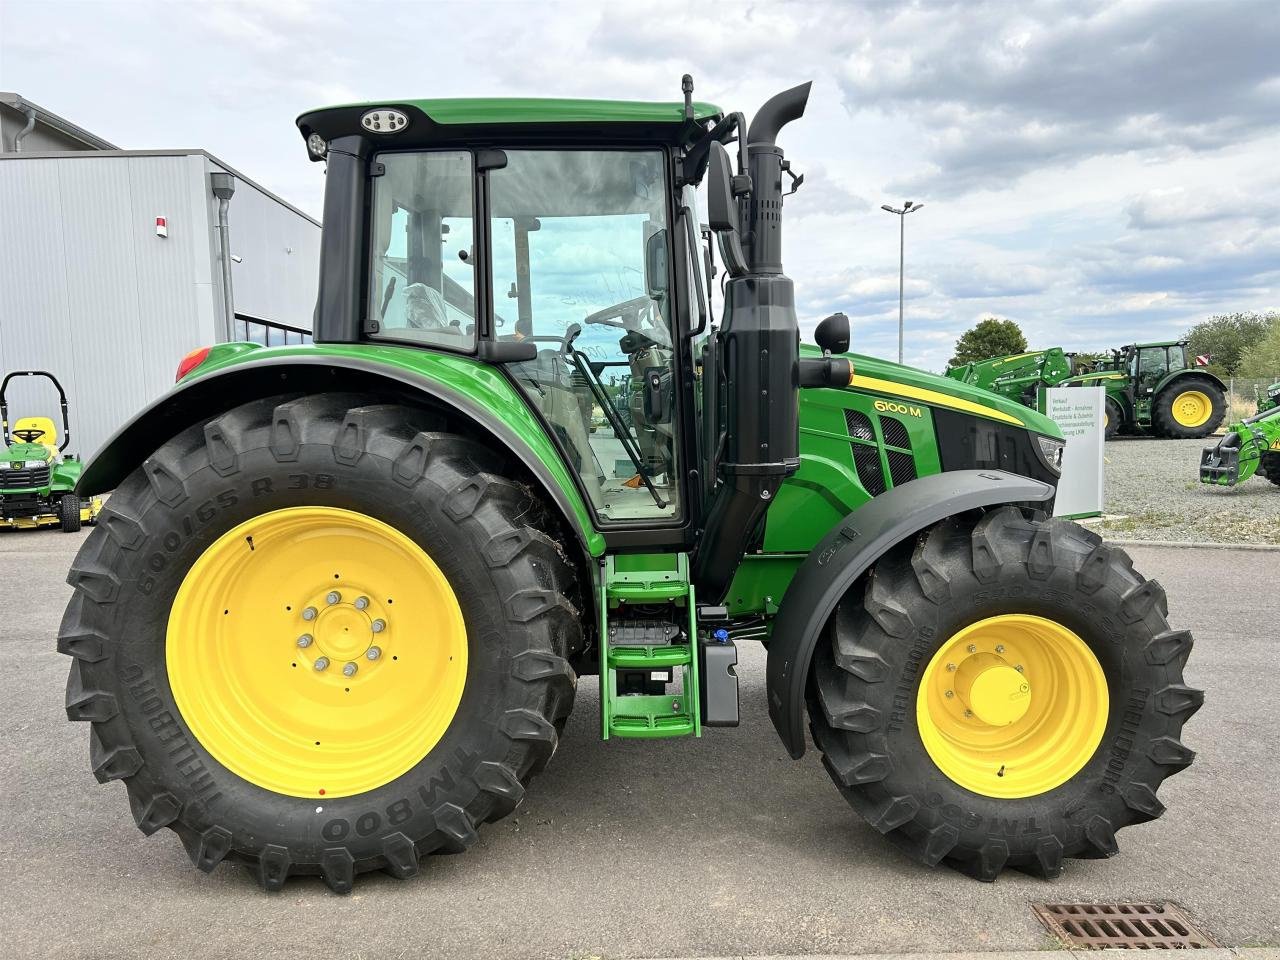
712, 847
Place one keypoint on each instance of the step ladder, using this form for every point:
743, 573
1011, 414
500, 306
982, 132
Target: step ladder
632, 642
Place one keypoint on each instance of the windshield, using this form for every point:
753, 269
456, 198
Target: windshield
580, 255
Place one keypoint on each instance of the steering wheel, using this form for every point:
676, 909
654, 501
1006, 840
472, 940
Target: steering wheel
27, 435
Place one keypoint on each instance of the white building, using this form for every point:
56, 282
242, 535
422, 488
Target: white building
111, 267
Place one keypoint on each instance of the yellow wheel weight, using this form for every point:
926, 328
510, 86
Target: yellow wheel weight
1192, 408
316, 652
1012, 706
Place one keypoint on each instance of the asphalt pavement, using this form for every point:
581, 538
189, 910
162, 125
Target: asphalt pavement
712, 847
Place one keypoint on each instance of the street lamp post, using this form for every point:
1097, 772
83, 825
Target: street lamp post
907, 207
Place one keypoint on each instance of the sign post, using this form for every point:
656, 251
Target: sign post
1078, 412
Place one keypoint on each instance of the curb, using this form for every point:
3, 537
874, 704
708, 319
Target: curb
1197, 545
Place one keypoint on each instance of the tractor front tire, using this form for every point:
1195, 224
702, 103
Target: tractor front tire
1112, 419
1190, 409
1003, 692
69, 513
1270, 467
331, 528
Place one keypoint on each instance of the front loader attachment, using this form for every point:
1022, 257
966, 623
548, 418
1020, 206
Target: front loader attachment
1220, 462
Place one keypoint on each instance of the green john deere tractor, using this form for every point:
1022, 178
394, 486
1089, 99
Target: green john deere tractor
1150, 386
339, 606
36, 482
1248, 447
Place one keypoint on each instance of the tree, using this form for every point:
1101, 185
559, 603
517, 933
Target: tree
1226, 337
991, 337
1262, 359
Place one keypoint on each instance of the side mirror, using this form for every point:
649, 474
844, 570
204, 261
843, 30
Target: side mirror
832, 334
722, 210
656, 265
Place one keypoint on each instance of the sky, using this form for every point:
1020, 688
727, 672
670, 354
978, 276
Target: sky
1099, 172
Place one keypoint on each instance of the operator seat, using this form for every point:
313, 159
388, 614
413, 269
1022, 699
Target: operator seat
49, 437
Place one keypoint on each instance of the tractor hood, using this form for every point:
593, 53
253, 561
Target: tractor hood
1098, 379
25, 452
875, 375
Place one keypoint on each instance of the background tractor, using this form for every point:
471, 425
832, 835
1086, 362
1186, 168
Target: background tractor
341, 600
37, 484
1267, 399
1150, 386
1248, 447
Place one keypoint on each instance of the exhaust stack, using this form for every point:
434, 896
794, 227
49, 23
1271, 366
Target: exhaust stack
759, 343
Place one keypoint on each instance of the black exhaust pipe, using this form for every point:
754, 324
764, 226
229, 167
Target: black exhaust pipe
759, 342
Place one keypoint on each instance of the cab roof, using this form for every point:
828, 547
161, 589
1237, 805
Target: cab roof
438, 120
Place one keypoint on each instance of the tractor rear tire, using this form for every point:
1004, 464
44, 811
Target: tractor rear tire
399, 481
69, 513
1113, 417
1177, 411
893, 639
1270, 467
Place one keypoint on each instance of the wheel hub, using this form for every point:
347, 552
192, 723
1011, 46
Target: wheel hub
1192, 408
992, 690
342, 631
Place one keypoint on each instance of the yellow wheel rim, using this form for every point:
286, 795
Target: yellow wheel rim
1012, 706
316, 652
1191, 408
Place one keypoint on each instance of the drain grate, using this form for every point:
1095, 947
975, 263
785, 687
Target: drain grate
1132, 926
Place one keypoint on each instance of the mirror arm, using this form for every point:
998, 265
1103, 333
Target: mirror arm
691, 258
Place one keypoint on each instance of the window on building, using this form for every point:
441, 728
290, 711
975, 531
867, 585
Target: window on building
269, 334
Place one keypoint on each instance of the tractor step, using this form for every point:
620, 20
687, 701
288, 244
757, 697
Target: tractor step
649, 685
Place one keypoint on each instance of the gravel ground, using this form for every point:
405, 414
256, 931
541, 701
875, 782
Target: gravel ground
1153, 492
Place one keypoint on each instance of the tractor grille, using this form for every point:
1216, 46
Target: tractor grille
902, 467
24, 477
1133, 926
866, 456
895, 432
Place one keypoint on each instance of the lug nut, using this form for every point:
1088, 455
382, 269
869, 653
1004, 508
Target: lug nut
999, 648
1018, 668
379, 626
362, 603
972, 648
333, 596
309, 613
968, 713
951, 666
349, 670
373, 653
304, 640
949, 694
322, 663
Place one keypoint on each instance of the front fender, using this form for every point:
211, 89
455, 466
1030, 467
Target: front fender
474, 390
847, 552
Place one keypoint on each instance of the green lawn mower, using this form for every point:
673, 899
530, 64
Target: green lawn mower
37, 483
344, 593
1248, 447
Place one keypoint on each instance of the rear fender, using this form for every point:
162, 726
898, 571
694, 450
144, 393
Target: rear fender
847, 552
491, 411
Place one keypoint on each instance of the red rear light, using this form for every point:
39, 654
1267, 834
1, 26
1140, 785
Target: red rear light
190, 362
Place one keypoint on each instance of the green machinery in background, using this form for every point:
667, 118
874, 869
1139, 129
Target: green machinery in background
1150, 387
344, 593
1248, 447
37, 483
1267, 399
1018, 376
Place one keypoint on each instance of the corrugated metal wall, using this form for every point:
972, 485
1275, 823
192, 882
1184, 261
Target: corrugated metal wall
90, 293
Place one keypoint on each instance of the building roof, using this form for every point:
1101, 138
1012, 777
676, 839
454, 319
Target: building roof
50, 119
